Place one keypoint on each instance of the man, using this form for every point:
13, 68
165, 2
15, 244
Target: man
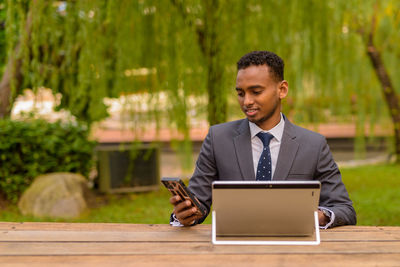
238, 150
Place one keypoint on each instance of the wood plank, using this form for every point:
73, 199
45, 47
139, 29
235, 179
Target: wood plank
193, 248
106, 236
354, 260
356, 228
50, 226
88, 244
145, 227
171, 234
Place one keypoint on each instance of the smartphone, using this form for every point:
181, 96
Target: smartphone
177, 187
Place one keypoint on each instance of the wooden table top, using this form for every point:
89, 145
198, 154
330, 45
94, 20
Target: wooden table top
100, 244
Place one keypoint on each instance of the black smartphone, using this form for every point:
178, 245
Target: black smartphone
177, 187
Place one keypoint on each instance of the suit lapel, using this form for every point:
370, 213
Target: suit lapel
287, 152
243, 150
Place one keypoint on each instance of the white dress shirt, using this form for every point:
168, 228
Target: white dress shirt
274, 145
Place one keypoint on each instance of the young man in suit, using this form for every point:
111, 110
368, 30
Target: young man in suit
238, 150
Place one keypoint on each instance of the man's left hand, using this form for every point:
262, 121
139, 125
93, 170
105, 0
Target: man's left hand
322, 218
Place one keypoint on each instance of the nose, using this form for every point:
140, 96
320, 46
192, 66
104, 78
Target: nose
248, 100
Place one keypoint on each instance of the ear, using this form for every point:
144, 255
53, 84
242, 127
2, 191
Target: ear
283, 89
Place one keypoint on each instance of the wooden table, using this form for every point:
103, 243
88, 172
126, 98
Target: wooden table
54, 244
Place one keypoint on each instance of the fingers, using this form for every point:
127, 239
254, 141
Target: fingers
323, 220
186, 214
184, 210
175, 200
189, 220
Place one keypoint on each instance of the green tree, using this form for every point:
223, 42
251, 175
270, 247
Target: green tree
383, 20
174, 50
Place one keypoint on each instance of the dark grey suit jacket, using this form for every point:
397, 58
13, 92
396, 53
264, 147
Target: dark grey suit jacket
226, 154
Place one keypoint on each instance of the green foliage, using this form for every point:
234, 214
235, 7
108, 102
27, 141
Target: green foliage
373, 190
177, 50
33, 147
88, 50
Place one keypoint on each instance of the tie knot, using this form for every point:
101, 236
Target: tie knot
265, 138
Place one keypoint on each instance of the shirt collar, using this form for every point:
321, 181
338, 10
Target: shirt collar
277, 131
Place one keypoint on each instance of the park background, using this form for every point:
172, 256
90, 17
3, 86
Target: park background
160, 72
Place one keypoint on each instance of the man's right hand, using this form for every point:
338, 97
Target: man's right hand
184, 211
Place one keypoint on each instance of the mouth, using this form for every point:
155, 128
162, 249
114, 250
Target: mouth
251, 112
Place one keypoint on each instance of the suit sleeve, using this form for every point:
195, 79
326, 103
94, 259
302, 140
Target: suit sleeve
204, 174
333, 195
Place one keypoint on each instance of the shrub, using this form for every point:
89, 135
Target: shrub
33, 147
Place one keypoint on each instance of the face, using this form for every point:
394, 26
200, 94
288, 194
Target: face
260, 95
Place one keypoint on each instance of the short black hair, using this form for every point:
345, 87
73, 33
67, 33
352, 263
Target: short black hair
256, 58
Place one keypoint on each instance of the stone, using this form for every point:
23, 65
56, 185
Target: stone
55, 195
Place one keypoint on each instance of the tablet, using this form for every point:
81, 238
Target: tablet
265, 209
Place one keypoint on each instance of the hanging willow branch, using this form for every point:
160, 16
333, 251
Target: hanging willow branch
12, 77
208, 38
179, 57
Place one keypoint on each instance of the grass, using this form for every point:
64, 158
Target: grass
375, 191
146, 208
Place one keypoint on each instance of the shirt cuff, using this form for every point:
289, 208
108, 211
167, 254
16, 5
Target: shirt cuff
173, 221
331, 217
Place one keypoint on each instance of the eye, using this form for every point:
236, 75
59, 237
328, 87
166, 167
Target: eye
257, 92
240, 93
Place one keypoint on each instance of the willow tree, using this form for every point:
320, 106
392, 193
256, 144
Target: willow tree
87, 50
328, 61
381, 38
211, 20
174, 50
